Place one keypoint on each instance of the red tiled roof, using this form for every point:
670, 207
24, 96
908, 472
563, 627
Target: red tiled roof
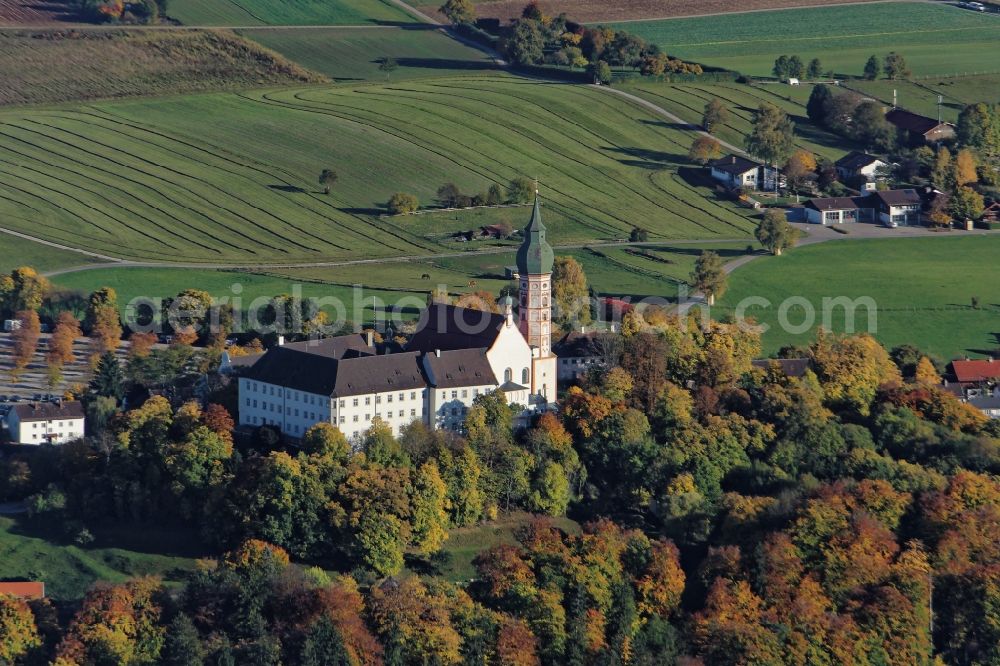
27, 590
977, 370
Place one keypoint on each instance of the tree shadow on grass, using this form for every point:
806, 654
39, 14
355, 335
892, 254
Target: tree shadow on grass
647, 158
362, 211
290, 189
675, 126
444, 63
405, 25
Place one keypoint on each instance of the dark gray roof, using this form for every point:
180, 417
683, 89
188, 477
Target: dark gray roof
734, 164
48, 411
988, 402
855, 160
336, 347
324, 375
899, 197
447, 327
510, 387
577, 345
834, 203
792, 367
912, 122
461, 367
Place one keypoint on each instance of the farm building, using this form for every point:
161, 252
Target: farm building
891, 208
45, 422
859, 168
23, 590
577, 351
456, 355
918, 130
734, 172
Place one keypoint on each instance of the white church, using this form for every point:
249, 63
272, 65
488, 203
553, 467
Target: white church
455, 355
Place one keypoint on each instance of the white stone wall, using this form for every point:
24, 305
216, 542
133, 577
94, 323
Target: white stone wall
56, 431
354, 414
450, 405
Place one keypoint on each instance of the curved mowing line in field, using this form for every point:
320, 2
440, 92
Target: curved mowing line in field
682, 202
826, 38
249, 164
546, 148
185, 188
20, 203
88, 168
696, 196
339, 224
208, 184
268, 101
557, 130
94, 193
413, 139
33, 158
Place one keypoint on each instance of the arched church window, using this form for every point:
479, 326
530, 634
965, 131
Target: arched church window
525, 377
508, 375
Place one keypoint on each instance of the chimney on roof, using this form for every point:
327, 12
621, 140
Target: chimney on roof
370, 338
734, 159
281, 341
437, 352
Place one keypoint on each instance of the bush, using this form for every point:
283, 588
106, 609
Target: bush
402, 203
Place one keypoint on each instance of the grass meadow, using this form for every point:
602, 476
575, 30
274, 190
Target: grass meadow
32, 552
921, 96
688, 102
231, 177
52, 67
936, 39
352, 54
923, 288
287, 12
16, 252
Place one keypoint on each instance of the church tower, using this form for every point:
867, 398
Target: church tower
534, 268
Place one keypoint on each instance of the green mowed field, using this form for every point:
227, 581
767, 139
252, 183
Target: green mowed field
287, 12
352, 54
116, 555
923, 288
935, 39
230, 178
688, 102
921, 96
16, 252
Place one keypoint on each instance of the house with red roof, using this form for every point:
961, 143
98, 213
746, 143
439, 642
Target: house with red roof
23, 590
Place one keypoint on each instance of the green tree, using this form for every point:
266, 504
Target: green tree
388, 65
380, 543
780, 69
181, 644
896, 67
979, 127
816, 106
325, 439
796, 69
525, 44
23, 289
814, 70
327, 178
709, 277
870, 126
520, 190
108, 380
638, 235
495, 196
402, 203
601, 71
967, 204
324, 646
715, 115
459, 11
872, 68
772, 136
775, 233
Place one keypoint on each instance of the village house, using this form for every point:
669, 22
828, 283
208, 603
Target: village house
859, 169
891, 207
456, 355
578, 352
917, 130
977, 382
27, 590
46, 422
735, 171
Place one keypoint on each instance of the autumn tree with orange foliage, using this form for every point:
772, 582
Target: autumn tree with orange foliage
25, 338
